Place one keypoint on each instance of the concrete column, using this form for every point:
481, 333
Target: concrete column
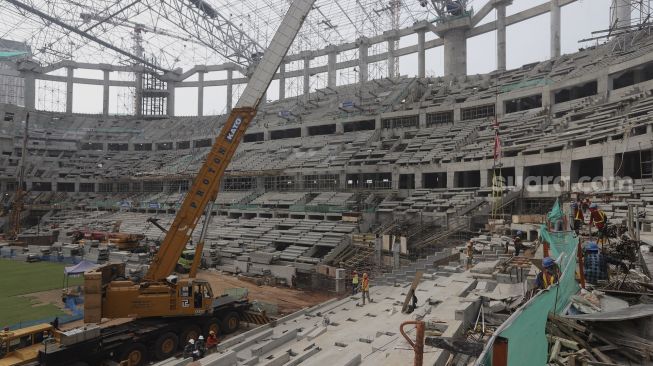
418, 180
421, 54
422, 120
620, 13
138, 104
200, 94
342, 179
362, 59
608, 165
70, 72
307, 76
456, 114
30, 90
340, 128
282, 81
391, 57
105, 96
565, 171
230, 90
171, 98
395, 180
555, 29
501, 37
455, 52
547, 97
603, 85
451, 175
377, 122
484, 177
499, 109
519, 173
332, 66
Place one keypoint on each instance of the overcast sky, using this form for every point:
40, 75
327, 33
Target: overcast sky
527, 42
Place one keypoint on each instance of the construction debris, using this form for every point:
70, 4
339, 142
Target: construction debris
610, 342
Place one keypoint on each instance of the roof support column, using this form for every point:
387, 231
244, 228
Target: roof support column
200, 94
307, 74
70, 72
363, 47
501, 35
332, 53
230, 89
138, 102
421, 53
105, 93
282, 81
170, 104
30, 90
392, 37
555, 29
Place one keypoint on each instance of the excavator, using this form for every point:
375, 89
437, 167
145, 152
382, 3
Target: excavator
162, 293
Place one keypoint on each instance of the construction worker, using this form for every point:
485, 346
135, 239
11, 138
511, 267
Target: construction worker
365, 288
579, 218
595, 264
189, 349
211, 342
200, 346
599, 219
470, 255
354, 283
549, 275
518, 243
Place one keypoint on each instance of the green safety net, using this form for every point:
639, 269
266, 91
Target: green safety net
525, 329
556, 213
4, 54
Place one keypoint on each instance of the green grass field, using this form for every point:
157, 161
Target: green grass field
21, 278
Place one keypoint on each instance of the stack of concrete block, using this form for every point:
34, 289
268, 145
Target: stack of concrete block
263, 258
97, 255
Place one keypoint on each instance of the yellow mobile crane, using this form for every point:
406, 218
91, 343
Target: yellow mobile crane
168, 308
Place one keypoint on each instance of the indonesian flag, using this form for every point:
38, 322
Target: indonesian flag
497, 146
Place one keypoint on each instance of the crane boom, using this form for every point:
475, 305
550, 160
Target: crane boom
206, 183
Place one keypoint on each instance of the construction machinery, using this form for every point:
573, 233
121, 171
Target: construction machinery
161, 293
20, 347
16, 210
164, 308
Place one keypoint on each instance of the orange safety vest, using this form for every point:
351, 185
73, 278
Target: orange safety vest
366, 284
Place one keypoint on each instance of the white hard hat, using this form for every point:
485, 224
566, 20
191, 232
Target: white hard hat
191, 341
201, 337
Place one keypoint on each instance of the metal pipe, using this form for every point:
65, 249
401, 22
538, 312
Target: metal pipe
418, 344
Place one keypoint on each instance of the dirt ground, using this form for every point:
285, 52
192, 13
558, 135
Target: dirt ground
47, 297
288, 300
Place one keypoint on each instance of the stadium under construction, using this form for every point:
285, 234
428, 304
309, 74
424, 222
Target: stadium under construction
369, 182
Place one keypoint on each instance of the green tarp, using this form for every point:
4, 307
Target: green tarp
5, 54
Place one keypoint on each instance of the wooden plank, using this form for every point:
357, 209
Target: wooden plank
411, 291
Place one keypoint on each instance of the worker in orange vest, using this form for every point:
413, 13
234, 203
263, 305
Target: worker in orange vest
599, 219
365, 288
